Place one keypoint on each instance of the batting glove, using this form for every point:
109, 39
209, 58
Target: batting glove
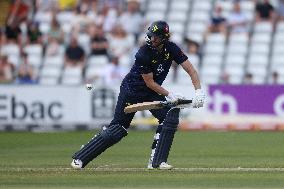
174, 97
199, 98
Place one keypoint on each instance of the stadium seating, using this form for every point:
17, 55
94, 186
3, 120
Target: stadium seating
260, 51
72, 76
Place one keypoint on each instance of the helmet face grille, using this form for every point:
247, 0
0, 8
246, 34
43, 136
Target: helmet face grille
148, 40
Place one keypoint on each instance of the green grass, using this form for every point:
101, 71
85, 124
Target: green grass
41, 160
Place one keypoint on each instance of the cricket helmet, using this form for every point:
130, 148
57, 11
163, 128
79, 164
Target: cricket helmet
159, 29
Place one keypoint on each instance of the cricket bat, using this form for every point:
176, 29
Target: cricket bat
154, 105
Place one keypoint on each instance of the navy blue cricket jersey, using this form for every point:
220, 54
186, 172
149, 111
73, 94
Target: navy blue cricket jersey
149, 60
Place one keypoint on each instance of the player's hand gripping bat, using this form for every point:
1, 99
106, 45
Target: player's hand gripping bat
155, 105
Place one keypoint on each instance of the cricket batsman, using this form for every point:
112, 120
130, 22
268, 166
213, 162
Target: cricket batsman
143, 84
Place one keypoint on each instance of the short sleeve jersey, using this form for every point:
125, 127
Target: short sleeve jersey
150, 60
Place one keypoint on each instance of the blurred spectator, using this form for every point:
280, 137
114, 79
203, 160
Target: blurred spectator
26, 73
93, 12
115, 4
67, 4
19, 12
55, 38
192, 47
84, 4
6, 70
237, 20
280, 10
132, 20
275, 78
113, 73
97, 13
120, 42
248, 78
175, 68
81, 20
55, 31
225, 78
264, 11
45, 5
34, 34
53, 47
109, 16
13, 33
74, 54
217, 21
140, 42
99, 43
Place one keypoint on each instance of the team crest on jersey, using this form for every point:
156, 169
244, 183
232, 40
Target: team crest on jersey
167, 56
154, 61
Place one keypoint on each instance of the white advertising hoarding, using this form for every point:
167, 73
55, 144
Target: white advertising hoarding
54, 105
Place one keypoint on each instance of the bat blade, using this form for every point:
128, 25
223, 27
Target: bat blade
143, 106
154, 105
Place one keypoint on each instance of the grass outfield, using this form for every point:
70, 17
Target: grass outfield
201, 160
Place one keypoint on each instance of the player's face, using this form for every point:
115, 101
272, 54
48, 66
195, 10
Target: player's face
156, 41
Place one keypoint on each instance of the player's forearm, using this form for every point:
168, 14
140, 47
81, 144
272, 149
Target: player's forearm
150, 83
157, 88
187, 66
195, 79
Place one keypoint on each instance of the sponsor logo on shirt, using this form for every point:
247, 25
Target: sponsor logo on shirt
160, 69
154, 61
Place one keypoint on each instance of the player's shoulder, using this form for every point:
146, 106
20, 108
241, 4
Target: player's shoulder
144, 50
171, 44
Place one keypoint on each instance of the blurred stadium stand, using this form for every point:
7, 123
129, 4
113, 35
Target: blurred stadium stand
222, 58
